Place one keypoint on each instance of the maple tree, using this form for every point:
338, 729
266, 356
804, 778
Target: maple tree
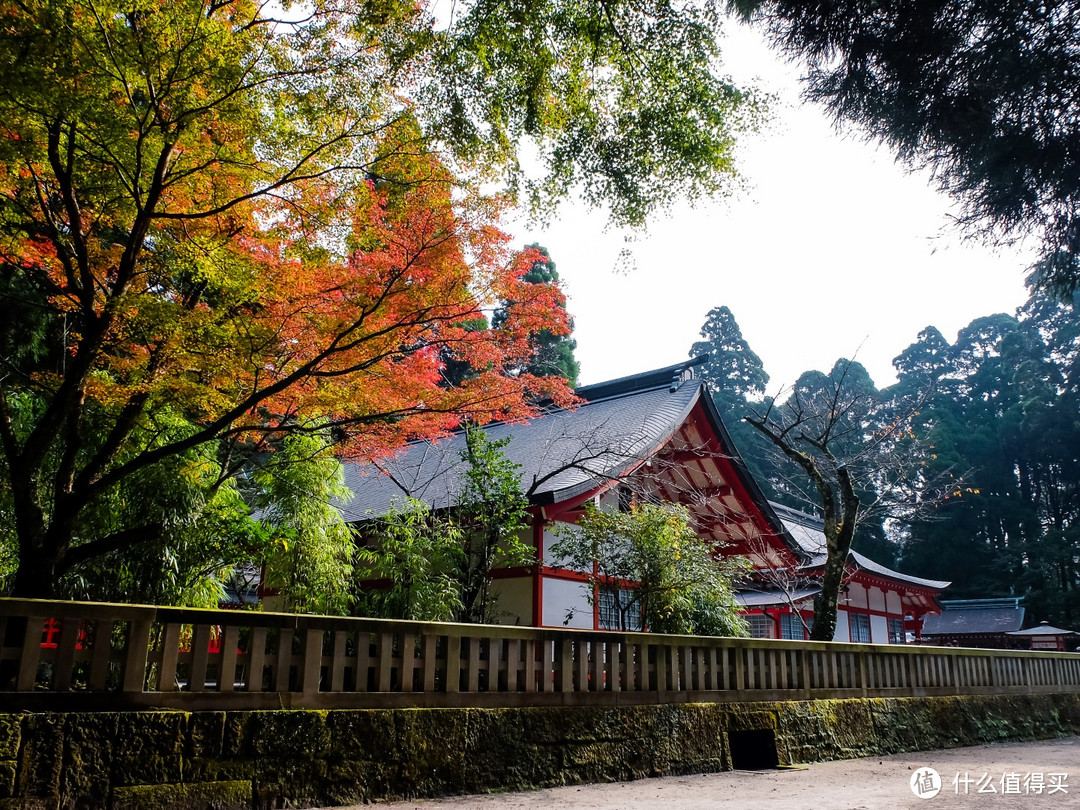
208, 237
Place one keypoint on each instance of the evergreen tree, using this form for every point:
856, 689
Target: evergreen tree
737, 379
554, 353
1007, 412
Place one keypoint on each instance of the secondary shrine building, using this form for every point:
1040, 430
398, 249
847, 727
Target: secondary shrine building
659, 436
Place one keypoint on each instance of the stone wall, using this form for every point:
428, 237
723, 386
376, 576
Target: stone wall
268, 759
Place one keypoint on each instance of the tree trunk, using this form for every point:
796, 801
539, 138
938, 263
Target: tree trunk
36, 576
826, 603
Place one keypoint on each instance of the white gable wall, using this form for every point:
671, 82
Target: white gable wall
879, 630
561, 595
842, 631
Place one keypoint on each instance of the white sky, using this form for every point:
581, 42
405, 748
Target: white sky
833, 249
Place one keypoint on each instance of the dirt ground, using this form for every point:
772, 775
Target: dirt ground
1034, 775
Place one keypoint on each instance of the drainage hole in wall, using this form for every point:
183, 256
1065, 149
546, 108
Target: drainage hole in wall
753, 750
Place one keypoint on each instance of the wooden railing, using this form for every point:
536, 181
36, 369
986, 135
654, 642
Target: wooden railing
88, 655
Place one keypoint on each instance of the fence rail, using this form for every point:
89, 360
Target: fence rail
92, 655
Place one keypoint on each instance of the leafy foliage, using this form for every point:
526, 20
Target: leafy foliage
420, 555
224, 236
308, 547
623, 98
656, 568
438, 565
492, 512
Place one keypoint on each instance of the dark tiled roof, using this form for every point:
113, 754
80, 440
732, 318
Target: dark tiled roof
808, 533
561, 453
770, 598
973, 620
1043, 629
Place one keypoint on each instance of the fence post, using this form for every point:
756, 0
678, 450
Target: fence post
135, 655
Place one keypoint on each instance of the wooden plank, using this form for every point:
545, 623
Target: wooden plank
565, 673
453, 664
256, 659
686, 668
200, 655
384, 661
337, 660
138, 643
473, 673
229, 642
596, 668
65, 654
101, 656
170, 652
662, 652
283, 667
311, 660
430, 663
408, 661
31, 654
581, 665
551, 665
531, 652
513, 665
615, 668
628, 667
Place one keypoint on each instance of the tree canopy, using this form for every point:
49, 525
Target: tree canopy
654, 570
981, 92
967, 469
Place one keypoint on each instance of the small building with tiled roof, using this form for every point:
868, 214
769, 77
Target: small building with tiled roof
658, 434
877, 604
983, 623
1044, 636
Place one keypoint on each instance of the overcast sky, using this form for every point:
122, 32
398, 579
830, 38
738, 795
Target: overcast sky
833, 249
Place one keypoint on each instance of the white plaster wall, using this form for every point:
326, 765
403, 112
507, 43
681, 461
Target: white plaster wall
550, 537
856, 595
893, 603
559, 596
609, 500
879, 630
514, 601
842, 632
877, 599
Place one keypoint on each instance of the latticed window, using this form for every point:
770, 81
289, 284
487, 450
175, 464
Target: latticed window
791, 626
896, 632
610, 607
761, 626
860, 627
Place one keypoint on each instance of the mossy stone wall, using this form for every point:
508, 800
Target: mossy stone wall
266, 759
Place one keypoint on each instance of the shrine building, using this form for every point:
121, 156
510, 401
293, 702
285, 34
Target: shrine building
655, 435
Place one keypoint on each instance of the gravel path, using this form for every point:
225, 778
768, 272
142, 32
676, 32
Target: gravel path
879, 782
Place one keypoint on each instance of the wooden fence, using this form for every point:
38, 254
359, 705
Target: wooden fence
63, 655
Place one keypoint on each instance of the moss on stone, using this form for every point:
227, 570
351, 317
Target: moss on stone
295, 758
41, 757
205, 734
89, 742
431, 744
288, 733
8, 771
151, 733
147, 769
821, 730
195, 796
10, 735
